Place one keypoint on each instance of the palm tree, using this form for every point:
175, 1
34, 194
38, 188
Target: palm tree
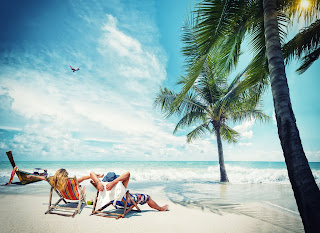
221, 28
210, 105
305, 189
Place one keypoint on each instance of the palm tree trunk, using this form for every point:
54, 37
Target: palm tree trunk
223, 172
305, 189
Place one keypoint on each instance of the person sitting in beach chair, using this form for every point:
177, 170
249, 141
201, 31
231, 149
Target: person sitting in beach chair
126, 199
69, 191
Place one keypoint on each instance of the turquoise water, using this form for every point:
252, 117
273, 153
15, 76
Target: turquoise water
206, 171
202, 171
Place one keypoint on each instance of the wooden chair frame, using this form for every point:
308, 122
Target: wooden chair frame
126, 208
74, 210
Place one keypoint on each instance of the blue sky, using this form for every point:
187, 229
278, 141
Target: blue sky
126, 50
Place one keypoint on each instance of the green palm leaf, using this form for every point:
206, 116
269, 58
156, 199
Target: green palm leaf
308, 60
229, 134
190, 119
304, 46
198, 132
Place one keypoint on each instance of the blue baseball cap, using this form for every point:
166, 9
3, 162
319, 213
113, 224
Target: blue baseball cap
110, 177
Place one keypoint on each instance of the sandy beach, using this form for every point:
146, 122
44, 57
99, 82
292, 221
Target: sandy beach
25, 213
209, 107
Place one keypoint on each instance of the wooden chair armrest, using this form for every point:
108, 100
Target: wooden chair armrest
93, 183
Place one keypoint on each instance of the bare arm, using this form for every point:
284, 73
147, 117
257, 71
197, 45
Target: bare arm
96, 180
83, 178
88, 177
123, 177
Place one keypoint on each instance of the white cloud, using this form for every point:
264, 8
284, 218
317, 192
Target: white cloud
104, 112
245, 144
3, 91
10, 128
127, 56
251, 153
313, 156
244, 128
106, 109
119, 43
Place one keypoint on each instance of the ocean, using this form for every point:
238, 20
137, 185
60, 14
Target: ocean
243, 172
190, 183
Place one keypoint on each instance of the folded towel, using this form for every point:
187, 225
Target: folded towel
115, 194
119, 192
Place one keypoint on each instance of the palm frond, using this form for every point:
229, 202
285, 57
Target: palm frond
236, 80
304, 46
189, 119
193, 73
243, 114
165, 99
294, 9
256, 77
283, 22
229, 134
226, 51
230, 95
308, 60
256, 29
216, 19
188, 38
198, 132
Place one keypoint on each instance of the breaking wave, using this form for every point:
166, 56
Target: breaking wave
237, 174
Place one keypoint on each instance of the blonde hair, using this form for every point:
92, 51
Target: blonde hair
59, 180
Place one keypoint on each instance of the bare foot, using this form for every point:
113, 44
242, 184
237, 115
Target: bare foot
164, 208
154, 205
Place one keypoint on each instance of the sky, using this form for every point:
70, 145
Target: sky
126, 50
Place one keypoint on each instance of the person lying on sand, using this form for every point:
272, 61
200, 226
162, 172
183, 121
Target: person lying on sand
59, 180
124, 178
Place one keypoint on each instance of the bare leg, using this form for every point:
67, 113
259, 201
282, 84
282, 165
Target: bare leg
154, 205
125, 177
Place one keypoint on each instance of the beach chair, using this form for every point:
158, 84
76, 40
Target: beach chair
72, 196
127, 204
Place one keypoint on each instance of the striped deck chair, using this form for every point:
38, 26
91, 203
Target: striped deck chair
127, 204
72, 196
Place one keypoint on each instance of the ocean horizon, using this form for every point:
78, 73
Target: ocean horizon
238, 171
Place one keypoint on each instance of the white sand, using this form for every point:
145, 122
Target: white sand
25, 213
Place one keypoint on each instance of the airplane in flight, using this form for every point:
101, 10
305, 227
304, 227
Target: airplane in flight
75, 69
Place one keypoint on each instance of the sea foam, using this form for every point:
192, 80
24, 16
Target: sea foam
167, 172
